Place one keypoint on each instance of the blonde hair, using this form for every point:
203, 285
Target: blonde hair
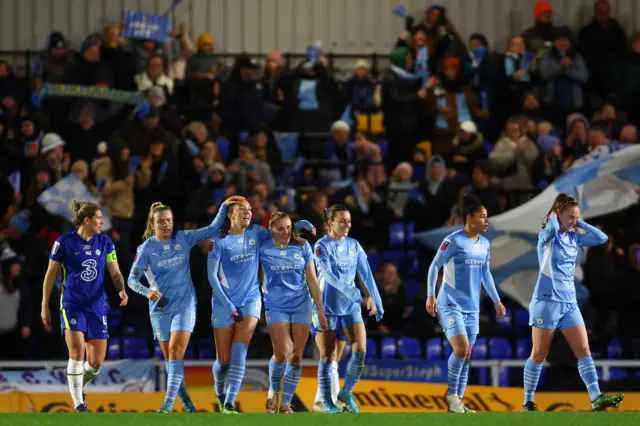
562, 201
296, 239
155, 208
82, 210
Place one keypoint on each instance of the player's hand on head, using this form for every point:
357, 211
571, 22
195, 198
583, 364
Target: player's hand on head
501, 311
124, 298
431, 306
234, 199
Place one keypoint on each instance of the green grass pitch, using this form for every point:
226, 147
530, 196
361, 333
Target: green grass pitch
308, 419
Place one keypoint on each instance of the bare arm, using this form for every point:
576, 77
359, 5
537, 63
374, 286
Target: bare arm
314, 287
47, 287
117, 279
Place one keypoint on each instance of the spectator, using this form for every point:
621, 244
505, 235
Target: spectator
359, 90
468, 147
394, 299
452, 102
88, 69
399, 188
624, 80
240, 105
402, 105
576, 144
542, 34
549, 165
116, 181
313, 211
57, 61
143, 51
514, 80
264, 145
51, 165
204, 202
601, 43
531, 107
16, 315
629, 134
483, 76
169, 117
340, 152
430, 202
82, 139
564, 74
248, 170
164, 184
116, 58
366, 153
203, 63
140, 133
271, 79
11, 86
482, 187
513, 156
178, 68
155, 75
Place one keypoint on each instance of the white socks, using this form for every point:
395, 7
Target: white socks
89, 374
74, 377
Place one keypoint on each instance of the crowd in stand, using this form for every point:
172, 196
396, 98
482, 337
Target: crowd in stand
462, 119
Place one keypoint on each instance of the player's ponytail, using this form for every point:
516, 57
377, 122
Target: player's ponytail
155, 208
82, 210
562, 201
469, 206
296, 238
331, 213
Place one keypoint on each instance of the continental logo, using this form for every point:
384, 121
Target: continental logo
381, 398
112, 407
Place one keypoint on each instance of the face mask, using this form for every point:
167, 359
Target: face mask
479, 52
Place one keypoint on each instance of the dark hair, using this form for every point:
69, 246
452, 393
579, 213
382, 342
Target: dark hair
226, 226
562, 201
331, 212
296, 239
469, 206
485, 166
481, 38
82, 210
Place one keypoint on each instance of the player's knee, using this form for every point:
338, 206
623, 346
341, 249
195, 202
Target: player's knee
462, 350
76, 354
582, 351
176, 352
538, 355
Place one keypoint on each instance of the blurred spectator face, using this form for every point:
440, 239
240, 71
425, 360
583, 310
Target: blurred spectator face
125, 153
436, 172
516, 45
403, 173
479, 178
579, 131
464, 136
150, 123
199, 131
4, 70
156, 149
155, 100
42, 179
365, 189
557, 150
58, 51
209, 151
245, 155
112, 35
474, 43
544, 128
545, 18
419, 39
261, 189
155, 69
86, 116
390, 276
608, 112
206, 48
513, 131
149, 45
27, 128
562, 44
340, 136
320, 202
419, 156
11, 104
602, 11
432, 16
216, 176
629, 134
451, 72
360, 141
362, 73
248, 74
376, 175
596, 139
531, 102
261, 140
92, 54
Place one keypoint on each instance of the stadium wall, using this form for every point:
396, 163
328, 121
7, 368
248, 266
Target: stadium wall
258, 26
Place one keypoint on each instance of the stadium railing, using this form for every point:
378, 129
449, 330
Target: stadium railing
494, 366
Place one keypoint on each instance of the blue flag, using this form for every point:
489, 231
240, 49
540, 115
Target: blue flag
401, 11
57, 199
145, 26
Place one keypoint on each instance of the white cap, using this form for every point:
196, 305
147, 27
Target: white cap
362, 63
469, 127
102, 148
50, 141
340, 125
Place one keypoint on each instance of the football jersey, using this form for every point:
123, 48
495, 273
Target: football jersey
283, 281
557, 253
83, 263
466, 268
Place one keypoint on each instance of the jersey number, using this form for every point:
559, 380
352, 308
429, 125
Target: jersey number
90, 273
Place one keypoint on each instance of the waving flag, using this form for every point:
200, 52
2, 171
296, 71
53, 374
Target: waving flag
57, 199
145, 26
602, 186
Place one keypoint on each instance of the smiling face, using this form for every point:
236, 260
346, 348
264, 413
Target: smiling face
281, 230
340, 225
163, 224
240, 215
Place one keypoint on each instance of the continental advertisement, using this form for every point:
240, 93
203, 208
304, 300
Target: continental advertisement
372, 396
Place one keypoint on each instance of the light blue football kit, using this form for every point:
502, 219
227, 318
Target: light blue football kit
554, 304
337, 263
466, 270
284, 287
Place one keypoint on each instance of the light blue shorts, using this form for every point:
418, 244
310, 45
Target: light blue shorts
455, 322
552, 315
338, 322
290, 318
251, 309
165, 324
